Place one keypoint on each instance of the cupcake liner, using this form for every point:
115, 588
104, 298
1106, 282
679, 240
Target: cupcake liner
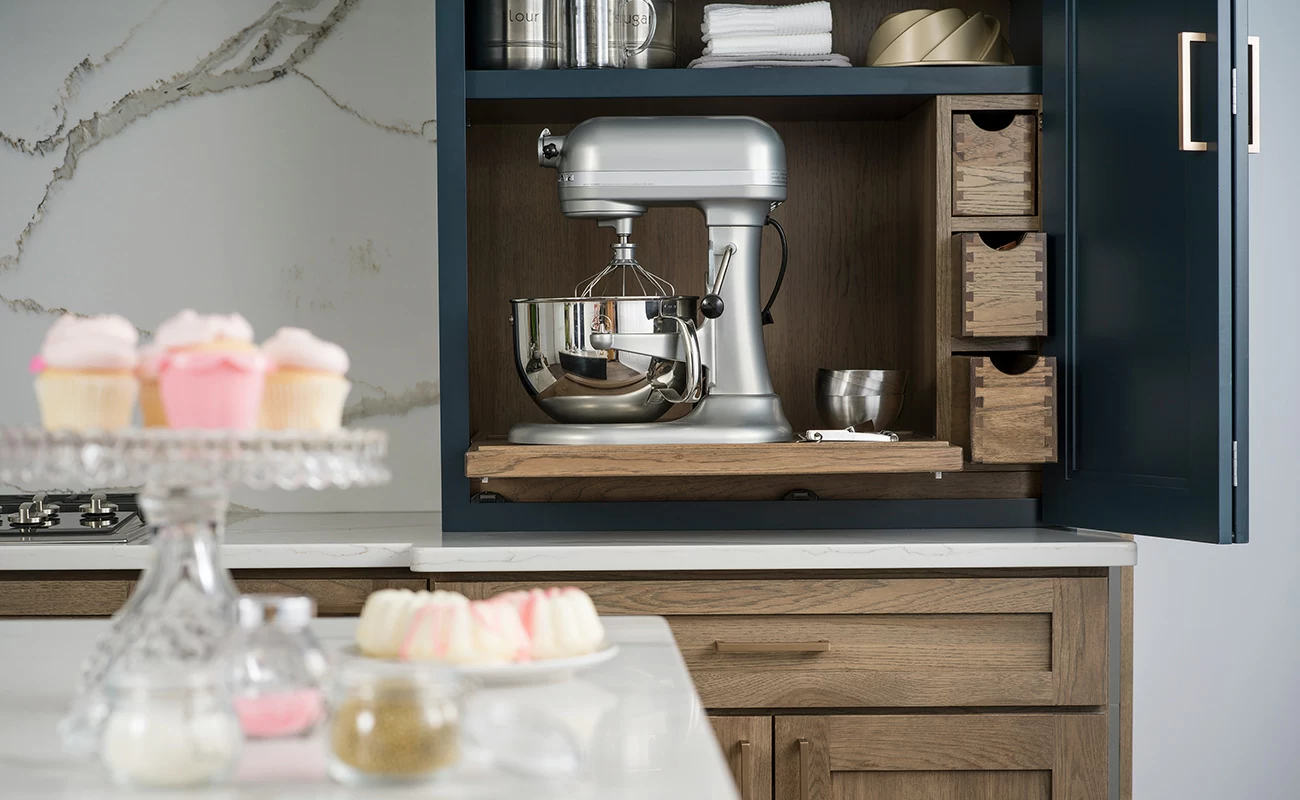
294, 401
210, 393
86, 401
152, 412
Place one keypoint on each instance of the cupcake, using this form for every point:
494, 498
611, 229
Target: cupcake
151, 407
211, 374
307, 390
85, 374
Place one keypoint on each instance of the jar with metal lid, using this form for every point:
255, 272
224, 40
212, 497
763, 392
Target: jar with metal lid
279, 668
393, 722
169, 727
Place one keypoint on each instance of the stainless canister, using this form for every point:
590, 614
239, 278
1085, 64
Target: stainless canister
662, 52
516, 34
597, 34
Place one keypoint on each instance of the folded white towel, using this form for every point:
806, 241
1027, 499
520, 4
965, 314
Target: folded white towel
803, 44
715, 62
728, 19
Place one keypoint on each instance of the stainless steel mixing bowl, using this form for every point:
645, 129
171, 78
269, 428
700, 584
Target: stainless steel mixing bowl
574, 381
864, 399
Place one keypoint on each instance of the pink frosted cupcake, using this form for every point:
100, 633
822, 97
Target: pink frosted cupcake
307, 390
211, 374
151, 407
85, 374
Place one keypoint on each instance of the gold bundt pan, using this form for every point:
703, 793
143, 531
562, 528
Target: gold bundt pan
923, 36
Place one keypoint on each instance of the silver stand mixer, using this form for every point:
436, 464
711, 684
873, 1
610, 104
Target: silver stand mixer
612, 170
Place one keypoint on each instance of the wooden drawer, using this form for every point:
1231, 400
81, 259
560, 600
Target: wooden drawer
1004, 411
1001, 284
969, 756
994, 164
905, 642
333, 596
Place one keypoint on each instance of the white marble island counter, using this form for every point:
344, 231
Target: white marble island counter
638, 717
416, 541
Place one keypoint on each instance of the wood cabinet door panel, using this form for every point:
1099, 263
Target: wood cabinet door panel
973, 757
746, 744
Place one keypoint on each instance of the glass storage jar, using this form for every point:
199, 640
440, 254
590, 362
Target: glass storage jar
279, 667
172, 727
393, 722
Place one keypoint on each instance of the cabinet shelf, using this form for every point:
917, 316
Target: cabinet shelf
502, 460
751, 82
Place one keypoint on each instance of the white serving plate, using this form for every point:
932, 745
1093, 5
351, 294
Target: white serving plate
550, 670
544, 671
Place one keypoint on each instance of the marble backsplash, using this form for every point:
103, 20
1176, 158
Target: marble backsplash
274, 158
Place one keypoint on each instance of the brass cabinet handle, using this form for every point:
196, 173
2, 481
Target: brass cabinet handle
1185, 141
773, 647
746, 770
1252, 46
804, 747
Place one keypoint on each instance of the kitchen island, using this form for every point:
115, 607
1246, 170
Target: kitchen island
821, 657
638, 717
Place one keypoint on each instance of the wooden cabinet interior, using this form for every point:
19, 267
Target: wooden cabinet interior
854, 294
872, 283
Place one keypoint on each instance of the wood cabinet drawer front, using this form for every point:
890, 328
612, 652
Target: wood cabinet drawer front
974, 757
994, 172
909, 642
333, 596
765, 596
63, 598
1004, 416
1002, 284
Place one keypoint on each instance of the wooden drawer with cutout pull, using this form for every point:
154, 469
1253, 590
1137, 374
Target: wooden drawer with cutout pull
888, 642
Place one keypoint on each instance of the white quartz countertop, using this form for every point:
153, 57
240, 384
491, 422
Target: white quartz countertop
637, 717
417, 541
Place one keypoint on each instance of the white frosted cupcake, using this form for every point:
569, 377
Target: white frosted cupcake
307, 390
85, 373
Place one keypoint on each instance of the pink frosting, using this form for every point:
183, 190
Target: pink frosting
190, 328
297, 347
105, 342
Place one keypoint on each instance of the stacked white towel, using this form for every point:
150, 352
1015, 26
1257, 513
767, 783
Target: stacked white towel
730, 19
768, 36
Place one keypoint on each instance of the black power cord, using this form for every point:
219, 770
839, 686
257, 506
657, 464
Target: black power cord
780, 276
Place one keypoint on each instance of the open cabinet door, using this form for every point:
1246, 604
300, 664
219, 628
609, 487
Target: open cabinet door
1143, 165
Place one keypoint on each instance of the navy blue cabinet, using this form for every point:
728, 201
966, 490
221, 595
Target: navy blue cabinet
1143, 187
1147, 238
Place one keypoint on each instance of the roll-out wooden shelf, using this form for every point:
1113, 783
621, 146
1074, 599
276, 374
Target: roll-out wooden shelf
503, 460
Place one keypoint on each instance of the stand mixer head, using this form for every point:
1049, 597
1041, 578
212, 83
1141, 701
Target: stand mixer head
613, 169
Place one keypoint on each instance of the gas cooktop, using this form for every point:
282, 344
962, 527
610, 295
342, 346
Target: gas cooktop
49, 518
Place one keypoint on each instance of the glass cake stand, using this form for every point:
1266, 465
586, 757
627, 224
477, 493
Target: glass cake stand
184, 607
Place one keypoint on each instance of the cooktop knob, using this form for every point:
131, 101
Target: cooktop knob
28, 518
42, 508
98, 506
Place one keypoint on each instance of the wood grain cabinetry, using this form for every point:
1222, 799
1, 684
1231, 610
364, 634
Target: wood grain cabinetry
101, 594
893, 642
746, 744
1043, 756
976, 685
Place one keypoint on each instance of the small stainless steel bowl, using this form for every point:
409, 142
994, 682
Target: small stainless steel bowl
864, 399
856, 382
